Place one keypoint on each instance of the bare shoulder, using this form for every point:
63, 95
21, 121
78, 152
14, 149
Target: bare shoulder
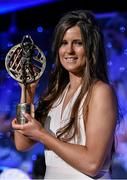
103, 104
103, 90
103, 95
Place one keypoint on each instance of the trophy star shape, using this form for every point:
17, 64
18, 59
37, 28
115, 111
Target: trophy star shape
25, 62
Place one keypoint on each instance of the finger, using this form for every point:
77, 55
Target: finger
19, 131
23, 133
18, 126
28, 117
14, 121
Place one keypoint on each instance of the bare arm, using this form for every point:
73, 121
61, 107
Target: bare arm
99, 134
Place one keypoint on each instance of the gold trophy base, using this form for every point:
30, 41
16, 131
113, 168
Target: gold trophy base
24, 108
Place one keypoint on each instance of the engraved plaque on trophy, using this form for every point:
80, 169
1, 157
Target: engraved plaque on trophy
25, 62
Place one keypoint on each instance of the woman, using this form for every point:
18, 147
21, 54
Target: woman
79, 109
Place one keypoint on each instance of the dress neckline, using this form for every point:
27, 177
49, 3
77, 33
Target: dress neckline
70, 100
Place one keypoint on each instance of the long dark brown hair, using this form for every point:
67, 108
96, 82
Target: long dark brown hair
95, 68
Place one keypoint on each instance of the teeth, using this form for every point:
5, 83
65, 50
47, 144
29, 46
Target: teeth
70, 59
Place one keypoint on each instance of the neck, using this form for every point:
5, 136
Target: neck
75, 81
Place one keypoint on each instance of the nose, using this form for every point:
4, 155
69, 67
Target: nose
70, 48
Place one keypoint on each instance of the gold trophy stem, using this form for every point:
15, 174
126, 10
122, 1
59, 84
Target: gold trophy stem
24, 107
24, 93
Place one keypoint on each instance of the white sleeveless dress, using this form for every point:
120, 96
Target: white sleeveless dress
57, 168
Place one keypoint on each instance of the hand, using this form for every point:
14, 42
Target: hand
31, 129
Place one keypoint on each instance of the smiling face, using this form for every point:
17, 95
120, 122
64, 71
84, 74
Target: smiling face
72, 52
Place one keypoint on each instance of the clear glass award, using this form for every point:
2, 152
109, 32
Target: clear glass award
25, 62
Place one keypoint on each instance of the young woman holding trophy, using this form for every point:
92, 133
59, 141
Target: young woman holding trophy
76, 118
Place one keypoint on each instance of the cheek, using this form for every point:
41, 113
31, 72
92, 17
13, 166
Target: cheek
61, 52
82, 57
81, 52
83, 63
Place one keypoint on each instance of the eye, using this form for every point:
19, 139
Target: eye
63, 43
78, 42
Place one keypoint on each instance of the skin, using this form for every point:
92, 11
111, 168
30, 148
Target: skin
99, 125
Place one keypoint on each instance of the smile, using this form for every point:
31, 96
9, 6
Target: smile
70, 59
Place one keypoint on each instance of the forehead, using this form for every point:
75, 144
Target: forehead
73, 32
